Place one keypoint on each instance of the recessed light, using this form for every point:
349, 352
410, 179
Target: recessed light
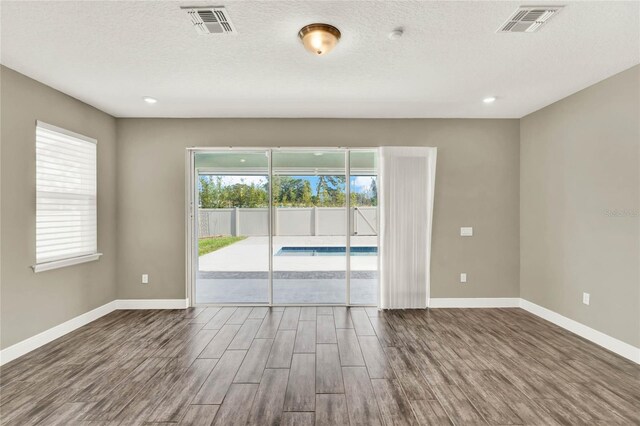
242, 160
149, 100
317, 154
489, 99
396, 34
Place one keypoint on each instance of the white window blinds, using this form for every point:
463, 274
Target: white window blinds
66, 218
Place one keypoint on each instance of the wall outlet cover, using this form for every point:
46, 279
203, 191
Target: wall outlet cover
145, 278
466, 231
586, 298
463, 277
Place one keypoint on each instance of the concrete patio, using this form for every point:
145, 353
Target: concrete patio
239, 273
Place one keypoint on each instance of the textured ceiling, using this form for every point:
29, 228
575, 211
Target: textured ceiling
110, 54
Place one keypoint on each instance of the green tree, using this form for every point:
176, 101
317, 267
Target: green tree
307, 197
211, 192
214, 194
287, 191
374, 191
276, 187
330, 190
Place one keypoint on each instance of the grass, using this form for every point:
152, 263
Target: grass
209, 244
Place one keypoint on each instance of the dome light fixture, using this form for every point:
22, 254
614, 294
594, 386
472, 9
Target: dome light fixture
489, 99
319, 39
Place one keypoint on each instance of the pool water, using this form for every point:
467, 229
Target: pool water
327, 251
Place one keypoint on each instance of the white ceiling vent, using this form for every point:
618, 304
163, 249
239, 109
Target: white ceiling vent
528, 19
210, 20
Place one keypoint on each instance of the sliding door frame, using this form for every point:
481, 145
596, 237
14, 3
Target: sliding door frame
191, 221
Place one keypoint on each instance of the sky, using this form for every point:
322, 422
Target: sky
361, 183
232, 180
358, 183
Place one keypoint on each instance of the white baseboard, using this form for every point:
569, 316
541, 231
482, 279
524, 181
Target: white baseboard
41, 339
153, 303
614, 345
611, 343
475, 302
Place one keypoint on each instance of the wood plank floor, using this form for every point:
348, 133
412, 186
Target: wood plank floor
324, 366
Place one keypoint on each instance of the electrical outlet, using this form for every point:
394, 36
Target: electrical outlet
145, 278
463, 277
585, 298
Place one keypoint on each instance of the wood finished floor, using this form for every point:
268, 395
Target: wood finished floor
324, 366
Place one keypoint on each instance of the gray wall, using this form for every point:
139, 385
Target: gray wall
576, 168
31, 303
476, 185
580, 189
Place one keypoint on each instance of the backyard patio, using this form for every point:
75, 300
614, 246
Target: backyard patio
238, 273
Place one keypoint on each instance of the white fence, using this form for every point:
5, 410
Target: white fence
299, 221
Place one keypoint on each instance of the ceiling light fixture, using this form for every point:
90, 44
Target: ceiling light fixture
149, 100
319, 39
489, 99
242, 160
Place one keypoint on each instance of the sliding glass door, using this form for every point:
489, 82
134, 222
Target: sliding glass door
309, 227
363, 235
285, 227
232, 227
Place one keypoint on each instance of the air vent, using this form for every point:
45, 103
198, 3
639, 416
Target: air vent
528, 19
210, 20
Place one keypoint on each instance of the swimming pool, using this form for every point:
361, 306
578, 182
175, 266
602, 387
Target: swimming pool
327, 251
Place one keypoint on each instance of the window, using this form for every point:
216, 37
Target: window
66, 214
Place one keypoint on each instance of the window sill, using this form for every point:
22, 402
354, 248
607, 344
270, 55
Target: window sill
47, 266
